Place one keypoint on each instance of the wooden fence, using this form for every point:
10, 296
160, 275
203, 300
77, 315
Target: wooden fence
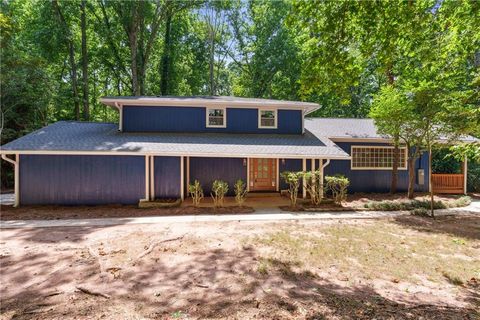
448, 182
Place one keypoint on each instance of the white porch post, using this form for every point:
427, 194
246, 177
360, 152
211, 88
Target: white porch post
277, 173
16, 170
465, 172
304, 169
182, 186
322, 167
188, 175
152, 178
147, 177
248, 174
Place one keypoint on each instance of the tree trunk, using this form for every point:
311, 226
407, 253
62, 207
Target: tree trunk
212, 60
396, 160
132, 38
86, 107
71, 53
167, 43
411, 176
432, 200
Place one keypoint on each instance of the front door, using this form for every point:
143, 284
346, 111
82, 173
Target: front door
263, 174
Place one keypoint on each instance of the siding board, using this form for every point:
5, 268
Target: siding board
206, 170
81, 180
193, 119
167, 177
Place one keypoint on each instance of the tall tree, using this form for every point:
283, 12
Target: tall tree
86, 108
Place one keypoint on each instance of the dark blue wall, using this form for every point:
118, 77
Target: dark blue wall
291, 165
81, 180
193, 119
374, 180
167, 177
206, 170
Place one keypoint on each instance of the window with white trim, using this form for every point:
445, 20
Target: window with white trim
216, 117
267, 119
377, 158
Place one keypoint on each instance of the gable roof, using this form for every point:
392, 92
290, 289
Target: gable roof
338, 129
208, 101
95, 137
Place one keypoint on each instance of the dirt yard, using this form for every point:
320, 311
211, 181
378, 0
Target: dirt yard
403, 268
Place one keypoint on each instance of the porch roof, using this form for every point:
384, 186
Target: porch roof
70, 137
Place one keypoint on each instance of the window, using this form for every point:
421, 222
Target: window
216, 118
376, 158
267, 119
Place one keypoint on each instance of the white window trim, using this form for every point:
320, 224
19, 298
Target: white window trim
275, 112
400, 167
224, 117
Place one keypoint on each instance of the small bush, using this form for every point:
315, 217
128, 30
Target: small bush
196, 192
293, 180
463, 201
314, 185
240, 189
389, 205
219, 190
338, 186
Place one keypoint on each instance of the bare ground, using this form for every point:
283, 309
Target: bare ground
403, 268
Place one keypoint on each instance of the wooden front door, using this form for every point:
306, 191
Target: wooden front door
263, 174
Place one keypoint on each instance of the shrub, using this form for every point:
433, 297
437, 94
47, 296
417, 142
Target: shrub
196, 192
420, 212
314, 185
219, 190
338, 186
293, 180
240, 189
463, 201
389, 205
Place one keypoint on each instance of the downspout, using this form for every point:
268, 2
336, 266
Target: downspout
16, 177
323, 166
120, 113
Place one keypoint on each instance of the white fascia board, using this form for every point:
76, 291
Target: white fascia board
176, 154
307, 107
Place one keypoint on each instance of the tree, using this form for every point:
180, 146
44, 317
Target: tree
86, 108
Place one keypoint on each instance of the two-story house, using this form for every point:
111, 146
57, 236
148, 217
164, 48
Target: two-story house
162, 143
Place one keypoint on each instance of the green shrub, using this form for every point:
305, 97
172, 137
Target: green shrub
314, 185
196, 192
389, 205
219, 190
240, 189
463, 201
293, 180
338, 186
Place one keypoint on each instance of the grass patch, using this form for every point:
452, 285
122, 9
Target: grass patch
392, 205
377, 250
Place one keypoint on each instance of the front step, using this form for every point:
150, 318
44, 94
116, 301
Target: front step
254, 194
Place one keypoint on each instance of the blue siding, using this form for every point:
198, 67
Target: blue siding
206, 170
291, 165
193, 119
81, 180
167, 177
374, 180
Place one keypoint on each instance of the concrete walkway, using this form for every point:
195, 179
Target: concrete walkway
262, 214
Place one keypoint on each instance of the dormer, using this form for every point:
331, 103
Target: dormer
204, 114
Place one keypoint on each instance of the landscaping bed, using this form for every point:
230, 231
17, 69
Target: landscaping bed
112, 211
383, 202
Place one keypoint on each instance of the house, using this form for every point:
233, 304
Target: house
162, 143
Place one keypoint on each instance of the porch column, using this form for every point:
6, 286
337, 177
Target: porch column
465, 172
152, 178
248, 174
147, 177
188, 175
16, 167
304, 169
277, 175
182, 184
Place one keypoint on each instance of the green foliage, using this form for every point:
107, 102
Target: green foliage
337, 185
293, 180
219, 190
314, 184
240, 189
391, 205
196, 192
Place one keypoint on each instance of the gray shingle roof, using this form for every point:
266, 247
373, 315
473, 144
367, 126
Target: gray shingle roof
91, 136
351, 128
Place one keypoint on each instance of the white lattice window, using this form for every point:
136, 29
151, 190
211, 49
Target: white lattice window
216, 117
267, 119
377, 158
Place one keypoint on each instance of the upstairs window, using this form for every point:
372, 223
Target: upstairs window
216, 118
267, 119
376, 158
